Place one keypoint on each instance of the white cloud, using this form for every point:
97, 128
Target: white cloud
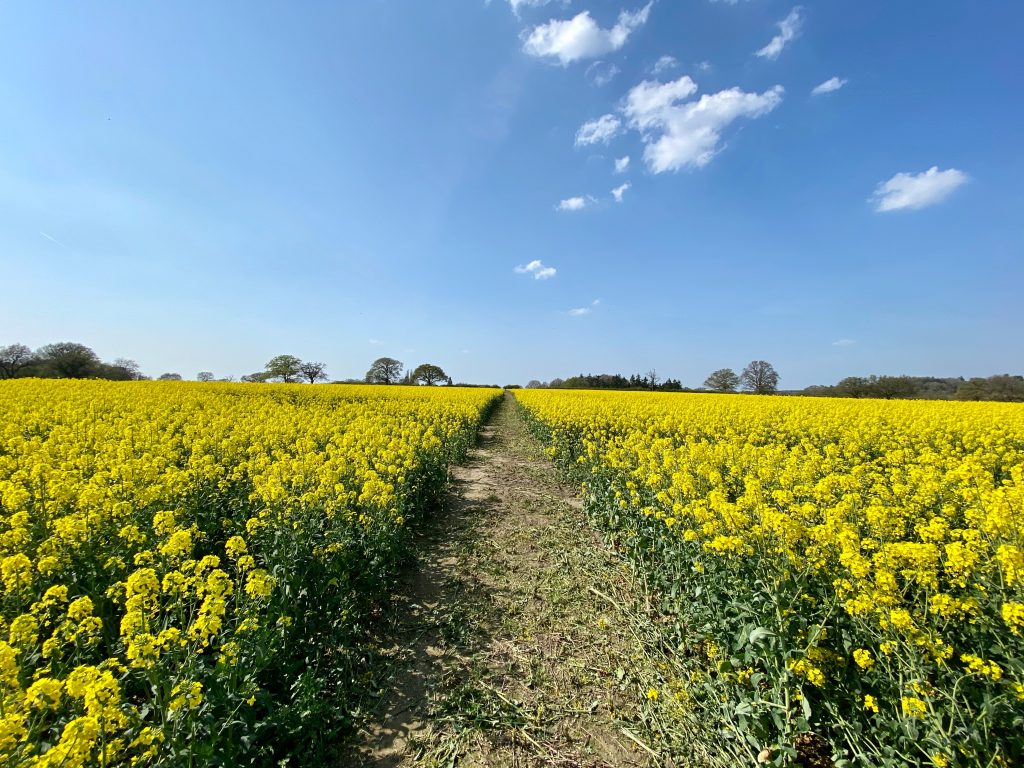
844, 343
789, 28
579, 311
649, 100
517, 4
664, 63
622, 164
595, 302
619, 191
374, 341
681, 134
830, 85
537, 269
580, 37
908, 190
601, 73
573, 204
599, 131
705, 66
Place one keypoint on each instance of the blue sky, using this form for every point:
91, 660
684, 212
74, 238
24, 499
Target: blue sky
201, 186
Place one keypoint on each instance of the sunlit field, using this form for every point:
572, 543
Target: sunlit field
846, 577
186, 567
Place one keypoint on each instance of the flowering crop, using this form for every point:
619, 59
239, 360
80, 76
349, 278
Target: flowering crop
848, 569
184, 568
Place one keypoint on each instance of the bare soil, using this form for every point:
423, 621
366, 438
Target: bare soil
512, 639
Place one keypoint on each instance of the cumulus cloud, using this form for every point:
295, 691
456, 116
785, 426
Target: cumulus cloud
537, 269
663, 64
619, 191
599, 131
830, 85
579, 311
789, 28
705, 66
622, 164
601, 73
681, 133
581, 37
647, 102
908, 190
844, 343
573, 204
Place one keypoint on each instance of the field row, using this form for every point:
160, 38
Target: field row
847, 578
186, 568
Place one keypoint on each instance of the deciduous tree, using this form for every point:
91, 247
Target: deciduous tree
723, 380
122, 369
204, 376
313, 371
285, 368
13, 359
429, 374
384, 370
760, 378
69, 360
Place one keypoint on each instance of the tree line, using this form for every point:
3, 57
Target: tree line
1000, 388
650, 381
64, 360
289, 369
759, 377
71, 360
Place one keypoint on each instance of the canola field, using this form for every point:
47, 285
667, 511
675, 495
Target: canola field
844, 579
186, 568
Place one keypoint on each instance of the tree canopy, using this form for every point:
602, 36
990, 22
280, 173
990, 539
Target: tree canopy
429, 374
69, 360
384, 370
723, 380
284, 367
313, 371
760, 378
13, 359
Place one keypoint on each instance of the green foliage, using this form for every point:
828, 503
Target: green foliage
429, 374
69, 360
285, 368
1004, 388
723, 380
384, 370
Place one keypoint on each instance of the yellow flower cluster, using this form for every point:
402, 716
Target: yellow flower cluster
157, 543
896, 526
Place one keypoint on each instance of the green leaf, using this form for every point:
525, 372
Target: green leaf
758, 634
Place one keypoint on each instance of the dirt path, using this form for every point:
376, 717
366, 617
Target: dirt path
513, 642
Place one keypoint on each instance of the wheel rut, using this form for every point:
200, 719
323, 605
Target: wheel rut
510, 642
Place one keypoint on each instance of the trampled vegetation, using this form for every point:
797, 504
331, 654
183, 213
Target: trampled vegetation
846, 579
